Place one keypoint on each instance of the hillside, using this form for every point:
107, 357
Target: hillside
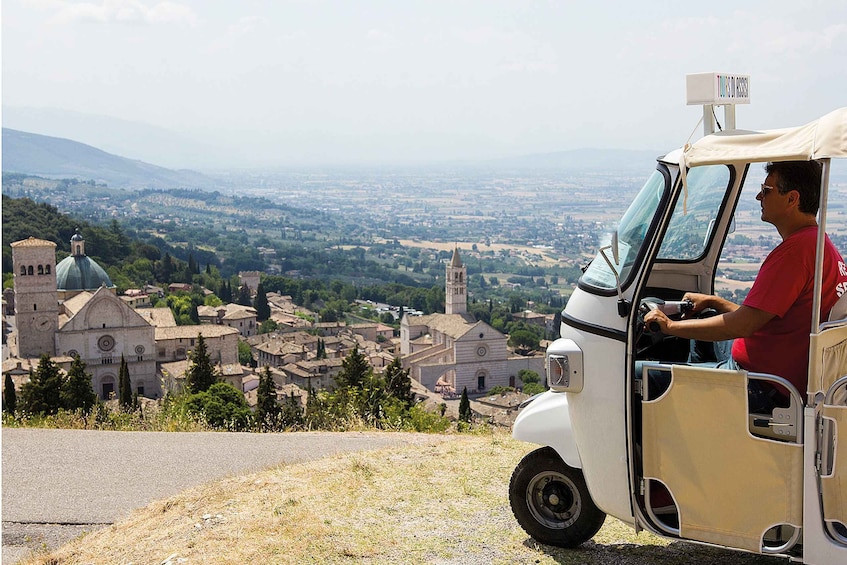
446, 503
62, 158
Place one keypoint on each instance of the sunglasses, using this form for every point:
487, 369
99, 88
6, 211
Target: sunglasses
765, 190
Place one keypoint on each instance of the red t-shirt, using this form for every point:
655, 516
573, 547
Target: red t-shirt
784, 287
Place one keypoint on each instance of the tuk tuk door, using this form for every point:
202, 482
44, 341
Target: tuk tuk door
728, 486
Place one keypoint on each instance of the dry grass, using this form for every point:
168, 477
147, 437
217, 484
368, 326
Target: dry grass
445, 503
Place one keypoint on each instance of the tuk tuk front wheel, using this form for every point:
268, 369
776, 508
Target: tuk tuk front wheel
551, 501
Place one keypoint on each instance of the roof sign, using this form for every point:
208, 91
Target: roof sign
717, 89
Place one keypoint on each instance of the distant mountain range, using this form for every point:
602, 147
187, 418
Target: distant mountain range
55, 157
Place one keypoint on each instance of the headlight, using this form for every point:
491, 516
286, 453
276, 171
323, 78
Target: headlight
564, 366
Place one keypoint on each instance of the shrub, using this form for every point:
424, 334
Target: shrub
533, 388
222, 406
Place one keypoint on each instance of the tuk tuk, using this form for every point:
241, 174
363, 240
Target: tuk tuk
690, 462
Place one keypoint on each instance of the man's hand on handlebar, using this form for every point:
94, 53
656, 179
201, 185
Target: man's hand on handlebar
698, 302
656, 321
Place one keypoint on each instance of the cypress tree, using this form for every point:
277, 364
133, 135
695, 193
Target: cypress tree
398, 384
355, 370
263, 309
124, 385
77, 392
465, 414
201, 374
292, 412
267, 409
10, 397
41, 394
244, 295
225, 293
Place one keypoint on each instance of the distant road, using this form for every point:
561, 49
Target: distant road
78, 476
89, 477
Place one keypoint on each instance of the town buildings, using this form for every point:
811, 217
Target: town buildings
71, 309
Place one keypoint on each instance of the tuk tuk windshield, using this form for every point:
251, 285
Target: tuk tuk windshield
631, 233
695, 214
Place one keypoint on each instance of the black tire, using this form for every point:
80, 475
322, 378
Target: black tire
551, 502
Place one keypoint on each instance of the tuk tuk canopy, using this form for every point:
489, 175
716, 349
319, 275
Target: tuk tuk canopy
823, 138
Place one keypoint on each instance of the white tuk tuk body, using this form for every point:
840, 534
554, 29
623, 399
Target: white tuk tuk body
765, 483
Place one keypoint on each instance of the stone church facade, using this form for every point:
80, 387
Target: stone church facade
72, 309
453, 351
101, 328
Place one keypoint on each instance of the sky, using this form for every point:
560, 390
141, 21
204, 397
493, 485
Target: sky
296, 81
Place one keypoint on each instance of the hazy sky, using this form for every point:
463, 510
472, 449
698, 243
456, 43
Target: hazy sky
403, 80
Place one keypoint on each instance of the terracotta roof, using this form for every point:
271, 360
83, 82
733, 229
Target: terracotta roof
293, 369
315, 363
240, 315
277, 347
453, 325
207, 311
159, 317
188, 332
73, 305
231, 369
32, 242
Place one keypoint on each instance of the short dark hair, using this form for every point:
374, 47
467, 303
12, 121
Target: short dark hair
802, 176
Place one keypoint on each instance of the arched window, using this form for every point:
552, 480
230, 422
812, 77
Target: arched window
41, 269
23, 270
46, 269
79, 250
29, 270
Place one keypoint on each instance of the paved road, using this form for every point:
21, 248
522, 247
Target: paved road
81, 480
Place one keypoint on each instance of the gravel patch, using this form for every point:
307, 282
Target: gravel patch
22, 540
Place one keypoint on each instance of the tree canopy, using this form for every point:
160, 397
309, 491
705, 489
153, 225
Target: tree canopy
78, 394
41, 395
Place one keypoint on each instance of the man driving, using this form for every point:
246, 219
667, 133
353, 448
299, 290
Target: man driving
771, 327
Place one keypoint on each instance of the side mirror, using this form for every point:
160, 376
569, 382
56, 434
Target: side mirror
616, 254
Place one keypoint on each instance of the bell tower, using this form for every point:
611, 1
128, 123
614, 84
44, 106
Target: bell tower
456, 292
36, 299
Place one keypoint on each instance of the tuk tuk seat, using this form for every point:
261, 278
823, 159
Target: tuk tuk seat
827, 356
833, 451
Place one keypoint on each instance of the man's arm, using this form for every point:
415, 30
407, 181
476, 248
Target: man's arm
743, 321
702, 301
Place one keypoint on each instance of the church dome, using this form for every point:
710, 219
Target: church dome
80, 273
